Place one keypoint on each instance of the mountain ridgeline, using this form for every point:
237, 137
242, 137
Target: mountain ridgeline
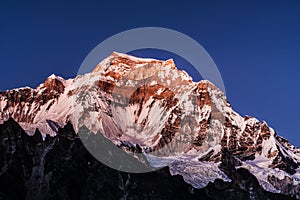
146, 108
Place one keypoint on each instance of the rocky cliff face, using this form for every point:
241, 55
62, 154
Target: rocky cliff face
61, 168
149, 107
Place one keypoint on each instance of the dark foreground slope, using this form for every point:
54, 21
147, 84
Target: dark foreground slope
61, 168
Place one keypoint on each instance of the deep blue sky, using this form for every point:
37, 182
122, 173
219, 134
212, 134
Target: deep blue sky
256, 45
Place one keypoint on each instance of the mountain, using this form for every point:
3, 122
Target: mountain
150, 108
60, 167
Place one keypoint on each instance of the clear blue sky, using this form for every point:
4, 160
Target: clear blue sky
256, 45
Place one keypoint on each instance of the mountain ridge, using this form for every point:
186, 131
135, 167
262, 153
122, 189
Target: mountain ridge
153, 105
60, 167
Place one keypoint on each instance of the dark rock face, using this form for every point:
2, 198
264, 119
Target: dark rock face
61, 168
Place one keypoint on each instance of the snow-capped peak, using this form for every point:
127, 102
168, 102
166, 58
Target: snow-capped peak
53, 76
150, 103
133, 58
120, 63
